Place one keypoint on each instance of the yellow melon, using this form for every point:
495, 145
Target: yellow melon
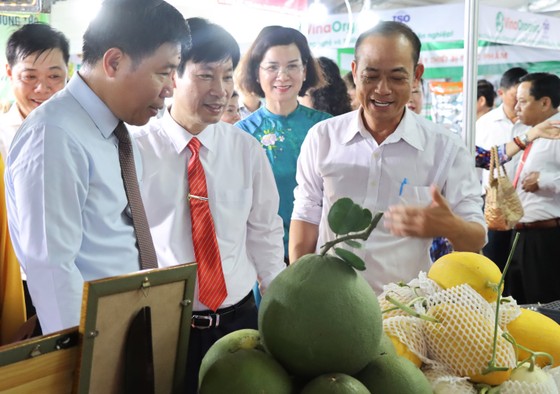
474, 269
462, 340
538, 333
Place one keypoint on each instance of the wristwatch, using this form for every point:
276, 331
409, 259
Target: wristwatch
524, 138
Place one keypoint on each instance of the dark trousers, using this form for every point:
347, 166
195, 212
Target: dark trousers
202, 339
30, 309
534, 273
498, 247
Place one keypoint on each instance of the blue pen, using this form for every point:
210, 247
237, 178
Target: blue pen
404, 182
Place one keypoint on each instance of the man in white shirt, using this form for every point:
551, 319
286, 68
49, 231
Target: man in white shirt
383, 154
534, 272
498, 127
67, 206
37, 67
241, 189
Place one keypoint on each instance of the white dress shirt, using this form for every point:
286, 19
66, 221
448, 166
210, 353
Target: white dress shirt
9, 125
495, 128
242, 195
339, 158
67, 206
543, 157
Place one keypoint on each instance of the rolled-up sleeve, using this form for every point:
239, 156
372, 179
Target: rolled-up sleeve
308, 194
462, 188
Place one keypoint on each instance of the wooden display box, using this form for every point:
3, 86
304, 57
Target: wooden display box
45, 365
91, 359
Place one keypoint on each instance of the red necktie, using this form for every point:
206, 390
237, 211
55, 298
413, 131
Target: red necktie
521, 164
211, 284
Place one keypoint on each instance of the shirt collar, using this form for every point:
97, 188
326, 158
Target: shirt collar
98, 111
407, 130
13, 116
180, 137
356, 126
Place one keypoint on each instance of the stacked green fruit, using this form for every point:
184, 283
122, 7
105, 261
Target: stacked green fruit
321, 322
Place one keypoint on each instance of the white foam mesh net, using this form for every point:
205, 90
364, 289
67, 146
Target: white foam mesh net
444, 382
406, 294
408, 330
509, 311
555, 373
462, 341
547, 386
461, 347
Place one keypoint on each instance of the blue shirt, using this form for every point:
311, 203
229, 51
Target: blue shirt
67, 206
281, 137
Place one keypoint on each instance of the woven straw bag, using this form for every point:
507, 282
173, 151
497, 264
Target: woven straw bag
503, 208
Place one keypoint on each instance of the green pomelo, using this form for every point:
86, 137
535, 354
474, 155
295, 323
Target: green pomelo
320, 316
230, 343
394, 375
335, 383
386, 346
246, 371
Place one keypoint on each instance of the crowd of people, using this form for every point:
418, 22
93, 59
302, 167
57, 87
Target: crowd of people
240, 171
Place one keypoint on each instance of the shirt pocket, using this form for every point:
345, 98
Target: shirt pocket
416, 195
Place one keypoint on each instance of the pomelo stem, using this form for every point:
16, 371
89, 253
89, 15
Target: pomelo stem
363, 235
410, 304
492, 363
512, 340
409, 310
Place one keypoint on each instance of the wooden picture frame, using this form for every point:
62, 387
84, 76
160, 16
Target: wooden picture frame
108, 307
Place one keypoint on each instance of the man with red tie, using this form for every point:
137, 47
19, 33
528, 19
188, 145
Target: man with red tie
210, 195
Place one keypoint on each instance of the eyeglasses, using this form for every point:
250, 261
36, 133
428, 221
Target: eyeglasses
275, 70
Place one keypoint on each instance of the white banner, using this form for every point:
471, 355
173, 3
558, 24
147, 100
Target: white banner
496, 54
519, 28
443, 24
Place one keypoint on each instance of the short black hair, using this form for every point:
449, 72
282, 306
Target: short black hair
32, 38
485, 89
332, 98
137, 27
511, 77
544, 85
209, 43
388, 29
271, 36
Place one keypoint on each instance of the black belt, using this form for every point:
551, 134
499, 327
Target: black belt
548, 223
209, 319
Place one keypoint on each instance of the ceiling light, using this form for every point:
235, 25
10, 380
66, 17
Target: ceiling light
317, 11
367, 18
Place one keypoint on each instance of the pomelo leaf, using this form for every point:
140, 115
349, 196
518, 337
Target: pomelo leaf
351, 259
352, 243
346, 217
